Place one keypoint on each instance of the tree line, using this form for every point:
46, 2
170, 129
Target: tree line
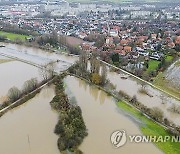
70, 128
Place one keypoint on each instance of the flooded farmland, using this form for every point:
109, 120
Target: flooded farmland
159, 99
102, 117
38, 56
15, 73
29, 128
33, 122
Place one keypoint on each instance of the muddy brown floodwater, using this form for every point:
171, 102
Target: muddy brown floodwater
29, 128
159, 99
102, 117
15, 73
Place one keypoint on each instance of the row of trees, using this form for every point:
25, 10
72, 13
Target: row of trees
23, 30
46, 73
70, 128
90, 68
155, 113
55, 41
14, 93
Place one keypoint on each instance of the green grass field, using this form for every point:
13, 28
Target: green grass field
153, 64
150, 128
13, 37
169, 58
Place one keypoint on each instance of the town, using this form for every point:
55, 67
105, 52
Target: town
140, 38
81, 76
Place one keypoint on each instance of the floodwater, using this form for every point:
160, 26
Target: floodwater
34, 121
29, 128
102, 117
38, 56
159, 99
15, 73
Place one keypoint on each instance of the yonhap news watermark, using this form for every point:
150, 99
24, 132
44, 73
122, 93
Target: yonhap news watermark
120, 137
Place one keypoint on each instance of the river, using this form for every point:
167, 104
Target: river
29, 128
15, 73
38, 56
131, 86
35, 121
102, 117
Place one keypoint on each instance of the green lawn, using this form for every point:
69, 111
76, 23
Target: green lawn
13, 37
149, 127
169, 58
153, 64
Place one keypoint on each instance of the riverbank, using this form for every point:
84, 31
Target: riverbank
162, 83
149, 127
144, 81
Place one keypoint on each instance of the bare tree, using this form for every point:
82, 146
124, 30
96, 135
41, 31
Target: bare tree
95, 63
157, 114
30, 85
104, 73
14, 93
83, 59
47, 71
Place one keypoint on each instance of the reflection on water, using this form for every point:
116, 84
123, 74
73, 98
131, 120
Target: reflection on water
131, 87
102, 117
15, 73
38, 56
28, 129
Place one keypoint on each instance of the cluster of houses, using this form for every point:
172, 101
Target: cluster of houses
139, 42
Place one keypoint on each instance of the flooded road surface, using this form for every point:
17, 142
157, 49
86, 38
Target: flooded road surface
159, 99
15, 73
38, 56
29, 128
102, 117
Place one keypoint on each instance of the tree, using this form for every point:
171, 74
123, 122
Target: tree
14, 94
47, 71
95, 63
157, 114
115, 58
96, 79
30, 85
100, 41
134, 100
83, 59
104, 73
